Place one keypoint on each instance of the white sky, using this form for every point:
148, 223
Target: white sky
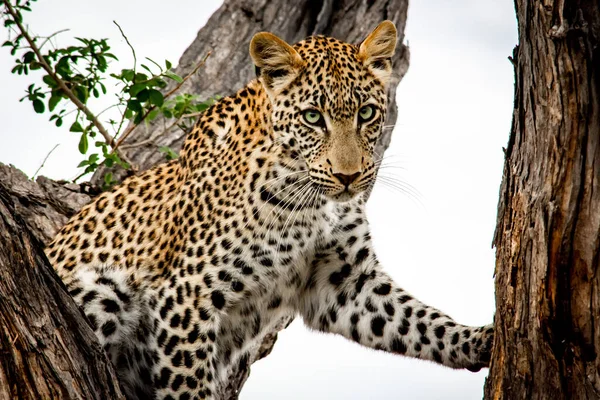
455, 108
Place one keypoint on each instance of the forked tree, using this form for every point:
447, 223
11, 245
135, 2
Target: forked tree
547, 236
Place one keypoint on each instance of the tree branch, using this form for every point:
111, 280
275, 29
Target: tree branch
61, 84
169, 94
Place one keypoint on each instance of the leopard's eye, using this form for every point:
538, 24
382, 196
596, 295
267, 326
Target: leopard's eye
313, 117
366, 113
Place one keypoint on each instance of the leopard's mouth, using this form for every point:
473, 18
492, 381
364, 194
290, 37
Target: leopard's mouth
345, 195
336, 192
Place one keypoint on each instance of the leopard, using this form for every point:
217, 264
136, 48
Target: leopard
182, 270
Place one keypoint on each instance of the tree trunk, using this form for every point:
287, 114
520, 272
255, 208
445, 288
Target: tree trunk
547, 321
46, 349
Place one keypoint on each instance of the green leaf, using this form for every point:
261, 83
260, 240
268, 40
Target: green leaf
123, 164
168, 64
140, 77
201, 107
50, 81
156, 97
63, 68
169, 153
108, 181
152, 115
38, 106
128, 75
83, 163
76, 127
7, 43
173, 76
138, 118
135, 89
59, 122
134, 105
143, 95
153, 82
53, 101
83, 143
82, 93
101, 63
146, 68
28, 57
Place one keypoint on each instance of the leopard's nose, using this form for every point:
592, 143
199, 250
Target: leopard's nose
345, 179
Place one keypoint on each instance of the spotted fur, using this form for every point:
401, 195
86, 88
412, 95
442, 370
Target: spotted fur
183, 269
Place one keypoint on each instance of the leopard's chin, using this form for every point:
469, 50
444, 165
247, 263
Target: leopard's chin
344, 195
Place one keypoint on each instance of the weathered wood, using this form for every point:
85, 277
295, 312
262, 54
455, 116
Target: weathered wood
547, 322
47, 349
46, 205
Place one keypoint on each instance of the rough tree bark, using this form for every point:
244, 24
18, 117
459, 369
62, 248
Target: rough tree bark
35, 211
547, 339
47, 349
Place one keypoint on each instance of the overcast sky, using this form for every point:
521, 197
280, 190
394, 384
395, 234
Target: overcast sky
455, 108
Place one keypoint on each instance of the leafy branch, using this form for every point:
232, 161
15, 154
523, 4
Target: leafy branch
60, 83
166, 96
76, 73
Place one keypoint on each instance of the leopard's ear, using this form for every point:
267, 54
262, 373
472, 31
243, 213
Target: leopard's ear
277, 63
377, 49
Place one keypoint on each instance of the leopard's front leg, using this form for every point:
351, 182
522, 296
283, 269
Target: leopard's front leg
349, 294
185, 357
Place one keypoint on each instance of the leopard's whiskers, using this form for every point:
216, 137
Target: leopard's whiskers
257, 212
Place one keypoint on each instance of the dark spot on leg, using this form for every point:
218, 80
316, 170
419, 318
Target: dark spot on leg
383, 289
466, 348
361, 255
377, 325
108, 328
398, 346
439, 331
218, 299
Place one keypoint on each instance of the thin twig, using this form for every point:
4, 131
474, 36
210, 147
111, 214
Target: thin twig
143, 142
138, 144
192, 115
51, 36
107, 108
79, 176
134, 72
128, 43
166, 96
44, 162
61, 84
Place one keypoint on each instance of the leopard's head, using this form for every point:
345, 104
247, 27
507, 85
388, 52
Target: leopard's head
328, 103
